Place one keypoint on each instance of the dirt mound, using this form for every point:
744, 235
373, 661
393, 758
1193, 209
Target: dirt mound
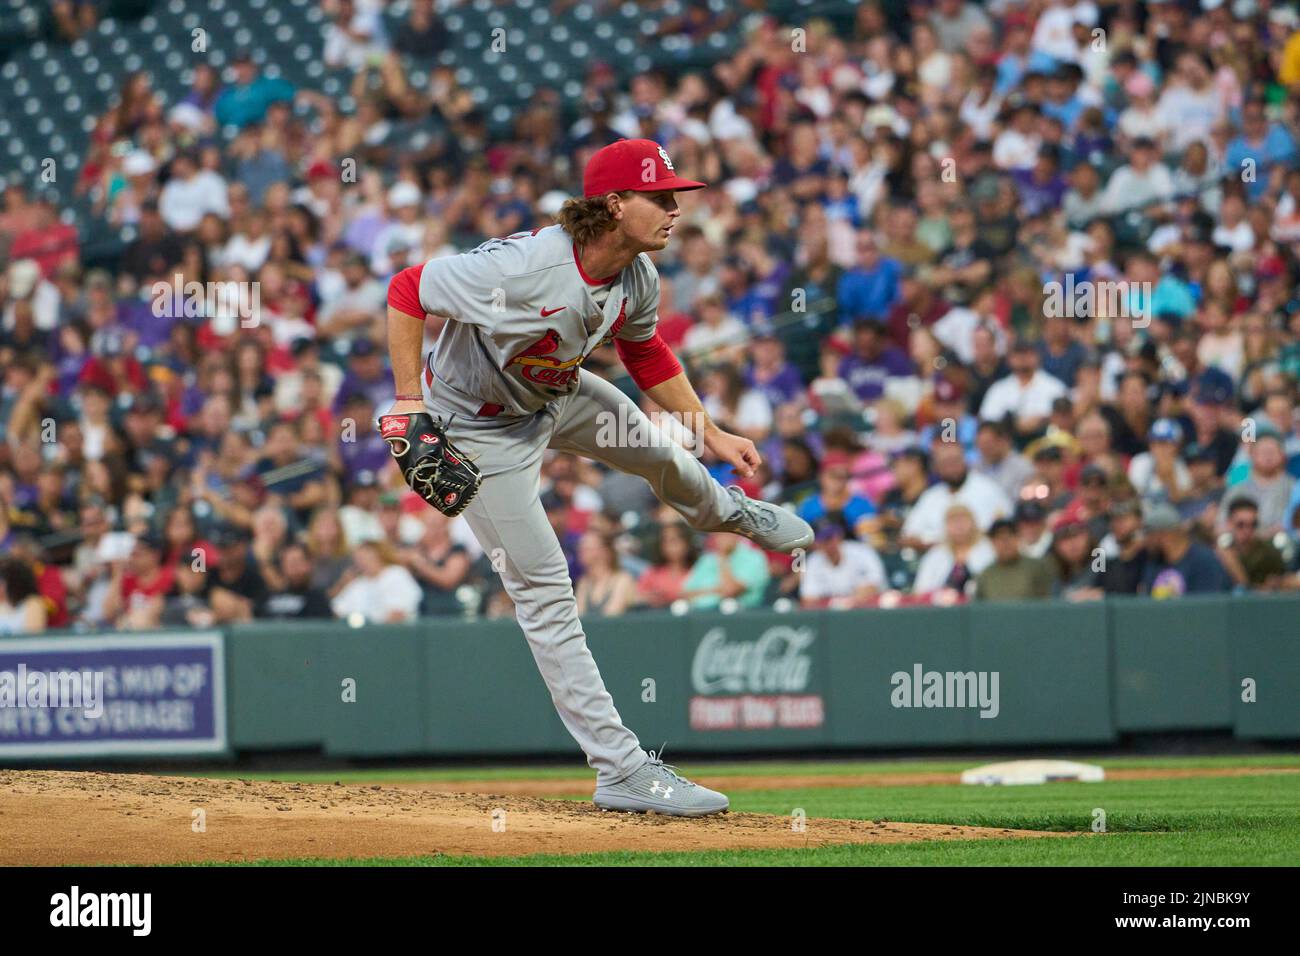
53, 818
732, 783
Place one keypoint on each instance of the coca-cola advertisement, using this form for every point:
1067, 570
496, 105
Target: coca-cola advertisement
755, 683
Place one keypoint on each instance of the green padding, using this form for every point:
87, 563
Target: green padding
1053, 673
388, 667
867, 649
1171, 664
1264, 645
483, 693
271, 683
755, 680
643, 659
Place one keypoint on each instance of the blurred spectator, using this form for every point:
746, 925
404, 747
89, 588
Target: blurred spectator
1178, 565
997, 458
835, 499
139, 587
840, 573
605, 589
1249, 558
1071, 554
22, 609
1267, 484
439, 564
1012, 576
872, 362
954, 563
956, 484
671, 561
732, 568
247, 100
1024, 397
376, 589
871, 286
295, 597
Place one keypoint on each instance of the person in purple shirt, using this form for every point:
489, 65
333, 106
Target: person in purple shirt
872, 286
366, 375
367, 452
872, 361
769, 372
1041, 188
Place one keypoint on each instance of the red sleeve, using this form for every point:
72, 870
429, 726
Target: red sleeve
649, 362
404, 292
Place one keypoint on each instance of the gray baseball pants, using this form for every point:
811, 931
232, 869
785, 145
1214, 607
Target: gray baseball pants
510, 523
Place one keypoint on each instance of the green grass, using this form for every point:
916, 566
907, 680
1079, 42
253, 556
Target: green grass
1221, 821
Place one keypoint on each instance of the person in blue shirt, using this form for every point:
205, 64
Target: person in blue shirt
1063, 101
871, 286
1177, 564
247, 101
1267, 144
836, 500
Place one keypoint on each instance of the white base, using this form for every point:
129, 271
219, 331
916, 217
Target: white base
1015, 772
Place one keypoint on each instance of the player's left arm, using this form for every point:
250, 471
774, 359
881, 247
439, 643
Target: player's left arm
656, 371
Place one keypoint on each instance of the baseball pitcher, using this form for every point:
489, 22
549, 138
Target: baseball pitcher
505, 382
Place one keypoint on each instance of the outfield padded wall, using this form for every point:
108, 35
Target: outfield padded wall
1068, 674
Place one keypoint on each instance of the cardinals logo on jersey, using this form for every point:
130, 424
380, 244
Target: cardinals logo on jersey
540, 368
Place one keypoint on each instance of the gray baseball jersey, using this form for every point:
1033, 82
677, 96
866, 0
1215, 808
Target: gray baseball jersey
525, 317
506, 376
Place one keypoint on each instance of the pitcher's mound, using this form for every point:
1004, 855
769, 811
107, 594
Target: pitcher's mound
51, 818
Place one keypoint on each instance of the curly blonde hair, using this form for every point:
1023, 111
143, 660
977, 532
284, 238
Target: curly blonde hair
588, 219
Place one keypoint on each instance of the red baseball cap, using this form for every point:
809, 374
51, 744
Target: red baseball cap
641, 165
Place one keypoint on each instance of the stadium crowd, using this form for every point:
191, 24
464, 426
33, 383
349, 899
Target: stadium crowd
1005, 293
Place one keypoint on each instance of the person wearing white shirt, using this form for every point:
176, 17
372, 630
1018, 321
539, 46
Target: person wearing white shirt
717, 329
1191, 103
355, 38
1054, 29
404, 228
190, 194
958, 560
1017, 146
840, 572
380, 592
1142, 183
1026, 394
956, 485
1233, 230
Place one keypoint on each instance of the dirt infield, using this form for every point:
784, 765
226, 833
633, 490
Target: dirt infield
52, 818
581, 786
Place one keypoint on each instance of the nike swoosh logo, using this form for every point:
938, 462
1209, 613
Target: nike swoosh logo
546, 312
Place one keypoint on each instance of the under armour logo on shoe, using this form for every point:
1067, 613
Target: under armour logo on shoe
657, 788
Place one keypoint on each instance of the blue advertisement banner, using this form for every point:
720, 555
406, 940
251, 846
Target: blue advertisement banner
103, 696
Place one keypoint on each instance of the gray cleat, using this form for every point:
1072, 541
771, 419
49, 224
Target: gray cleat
769, 526
659, 788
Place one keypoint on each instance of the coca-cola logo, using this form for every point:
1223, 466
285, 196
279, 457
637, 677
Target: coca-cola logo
777, 662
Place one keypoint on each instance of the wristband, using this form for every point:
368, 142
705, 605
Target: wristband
408, 398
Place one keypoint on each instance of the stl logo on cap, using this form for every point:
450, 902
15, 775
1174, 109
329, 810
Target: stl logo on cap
639, 165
